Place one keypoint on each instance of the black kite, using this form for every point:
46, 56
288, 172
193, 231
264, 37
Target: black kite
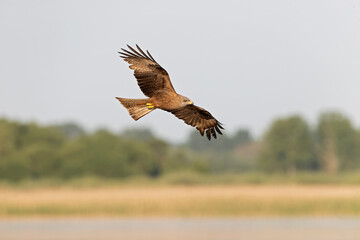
155, 83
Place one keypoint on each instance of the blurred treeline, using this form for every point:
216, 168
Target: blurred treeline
65, 151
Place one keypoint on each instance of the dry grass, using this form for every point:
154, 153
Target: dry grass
182, 201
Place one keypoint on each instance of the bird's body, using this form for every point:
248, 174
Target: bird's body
155, 83
166, 100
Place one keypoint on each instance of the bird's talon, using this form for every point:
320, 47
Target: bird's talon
149, 105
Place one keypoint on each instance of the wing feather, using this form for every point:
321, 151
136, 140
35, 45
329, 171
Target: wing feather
218, 130
142, 52
150, 76
208, 134
213, 132
135, 52
150, 55
200, 118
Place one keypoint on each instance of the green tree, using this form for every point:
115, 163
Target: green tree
160, 151
41, 160
107, 155
70, 130
222, 143
28, 150
142, 134
288, 147
241, 137
8, 134
339, 146
101, 154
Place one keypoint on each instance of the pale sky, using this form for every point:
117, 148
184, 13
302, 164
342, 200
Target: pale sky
247, 62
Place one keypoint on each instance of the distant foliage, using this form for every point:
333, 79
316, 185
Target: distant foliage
142, 134
339, 143
223, 154
71, 130
222, 143
28, 150
288, 147
65, 151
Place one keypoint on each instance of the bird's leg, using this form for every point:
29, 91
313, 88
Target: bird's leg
150, 105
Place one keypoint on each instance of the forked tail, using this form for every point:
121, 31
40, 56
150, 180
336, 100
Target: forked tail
137, 108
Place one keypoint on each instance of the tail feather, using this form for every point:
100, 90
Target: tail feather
136, 107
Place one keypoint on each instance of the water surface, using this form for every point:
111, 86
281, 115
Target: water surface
182, 229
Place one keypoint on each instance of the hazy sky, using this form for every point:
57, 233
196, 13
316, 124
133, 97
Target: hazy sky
247, 62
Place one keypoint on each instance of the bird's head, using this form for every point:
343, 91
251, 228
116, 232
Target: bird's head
186, 101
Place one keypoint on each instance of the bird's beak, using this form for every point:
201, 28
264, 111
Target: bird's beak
191, 103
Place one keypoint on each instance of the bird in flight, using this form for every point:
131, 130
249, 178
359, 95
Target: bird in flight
155, 83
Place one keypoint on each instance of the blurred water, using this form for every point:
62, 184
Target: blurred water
182, 229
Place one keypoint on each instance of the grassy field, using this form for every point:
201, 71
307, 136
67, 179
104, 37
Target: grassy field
190, 178
181, 201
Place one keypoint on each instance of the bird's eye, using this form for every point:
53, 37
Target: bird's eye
185, 100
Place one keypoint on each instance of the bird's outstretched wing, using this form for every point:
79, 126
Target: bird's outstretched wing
149, 74
200, 118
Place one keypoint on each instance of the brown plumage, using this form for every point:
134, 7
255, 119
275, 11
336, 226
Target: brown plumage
155, 83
